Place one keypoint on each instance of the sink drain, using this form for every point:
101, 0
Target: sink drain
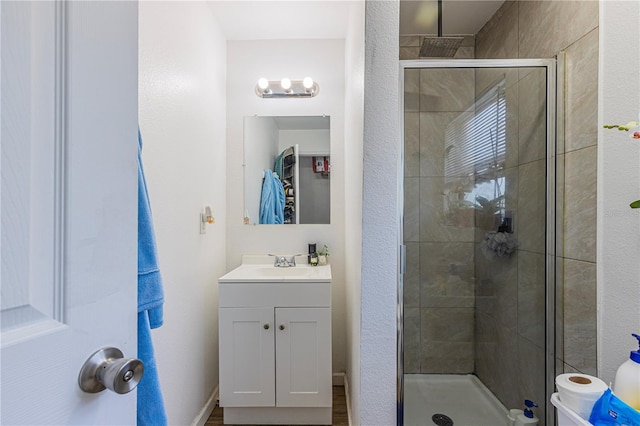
442, 420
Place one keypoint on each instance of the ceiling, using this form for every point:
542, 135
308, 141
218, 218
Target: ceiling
458, 16
329, 19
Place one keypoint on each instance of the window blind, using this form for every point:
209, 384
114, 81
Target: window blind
475, 141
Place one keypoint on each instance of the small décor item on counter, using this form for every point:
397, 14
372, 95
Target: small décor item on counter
312, 257
323, 255
610, 410
527, 417
627, 383
579, 392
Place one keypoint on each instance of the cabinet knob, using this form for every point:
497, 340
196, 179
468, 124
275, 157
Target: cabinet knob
266, 326
281, 327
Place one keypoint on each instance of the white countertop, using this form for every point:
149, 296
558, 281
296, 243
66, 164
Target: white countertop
257, 269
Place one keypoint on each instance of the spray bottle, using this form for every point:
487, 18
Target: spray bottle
527, 417
627, 383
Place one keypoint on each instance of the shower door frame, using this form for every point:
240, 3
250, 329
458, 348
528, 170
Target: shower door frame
554, 72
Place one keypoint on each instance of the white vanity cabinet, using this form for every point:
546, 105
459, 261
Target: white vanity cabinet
275, 348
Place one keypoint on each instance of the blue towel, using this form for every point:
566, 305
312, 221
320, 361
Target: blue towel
151, 409
272, 199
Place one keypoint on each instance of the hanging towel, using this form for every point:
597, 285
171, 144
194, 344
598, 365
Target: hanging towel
272, 199
151, 409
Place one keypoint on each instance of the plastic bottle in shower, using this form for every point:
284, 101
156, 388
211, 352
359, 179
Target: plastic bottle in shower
527, 417
627, 383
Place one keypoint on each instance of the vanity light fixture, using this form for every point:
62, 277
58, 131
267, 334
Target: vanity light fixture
286, 88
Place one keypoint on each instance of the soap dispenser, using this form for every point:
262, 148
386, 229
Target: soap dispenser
527, 417
627, 383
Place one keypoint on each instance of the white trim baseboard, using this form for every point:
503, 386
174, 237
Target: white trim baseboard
208, 408
348, 397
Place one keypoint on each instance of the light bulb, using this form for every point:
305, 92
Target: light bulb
263, 83
307, 82
285, 83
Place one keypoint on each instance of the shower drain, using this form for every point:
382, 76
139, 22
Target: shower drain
442, 420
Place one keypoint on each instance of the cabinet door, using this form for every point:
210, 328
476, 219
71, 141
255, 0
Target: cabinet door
303, 357
247, 365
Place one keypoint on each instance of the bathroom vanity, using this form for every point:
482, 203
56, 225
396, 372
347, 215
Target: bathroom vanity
275, 343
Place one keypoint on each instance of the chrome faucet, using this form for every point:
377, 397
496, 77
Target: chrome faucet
283, 262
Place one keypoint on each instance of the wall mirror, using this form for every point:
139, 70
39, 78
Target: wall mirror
287, 170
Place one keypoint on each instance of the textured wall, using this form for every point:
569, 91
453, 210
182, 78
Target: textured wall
380, 217
618, 184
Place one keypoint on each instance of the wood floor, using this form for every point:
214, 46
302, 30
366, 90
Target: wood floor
339, 410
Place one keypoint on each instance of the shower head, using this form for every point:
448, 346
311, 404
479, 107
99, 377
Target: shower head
440, 47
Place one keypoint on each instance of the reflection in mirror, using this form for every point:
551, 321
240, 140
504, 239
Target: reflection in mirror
287, 167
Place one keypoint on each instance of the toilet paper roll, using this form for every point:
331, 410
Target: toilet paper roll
579, 392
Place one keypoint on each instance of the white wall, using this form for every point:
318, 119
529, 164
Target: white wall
354, 107
182, 118
323, 60
618, 185
380, 215
312, 141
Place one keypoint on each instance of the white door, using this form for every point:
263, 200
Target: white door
303, 357
68, 205
247, 357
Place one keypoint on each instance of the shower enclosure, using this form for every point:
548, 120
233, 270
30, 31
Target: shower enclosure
477, 299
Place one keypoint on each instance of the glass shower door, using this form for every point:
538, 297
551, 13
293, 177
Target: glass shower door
479, 153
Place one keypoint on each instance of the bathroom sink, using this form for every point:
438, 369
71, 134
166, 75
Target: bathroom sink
265, 272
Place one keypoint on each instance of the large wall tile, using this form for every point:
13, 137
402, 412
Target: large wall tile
546, 27
411, 280
433, 126
409, 41
434, 224
531, 297
581, 121
411, 209
580, 315
501, 39
446, 89
497, 288
530, 221
447, 358
580, 204
447, 340
447, 275
531, 377
532, 116
447, 324
411, 89
411, 144
411, 341
409, 53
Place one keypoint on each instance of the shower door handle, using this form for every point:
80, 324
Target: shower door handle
403, 259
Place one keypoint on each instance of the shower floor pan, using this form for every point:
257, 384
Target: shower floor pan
463, 398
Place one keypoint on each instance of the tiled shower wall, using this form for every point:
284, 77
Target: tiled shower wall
540, 29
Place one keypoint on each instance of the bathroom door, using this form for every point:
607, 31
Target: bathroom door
69, 205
